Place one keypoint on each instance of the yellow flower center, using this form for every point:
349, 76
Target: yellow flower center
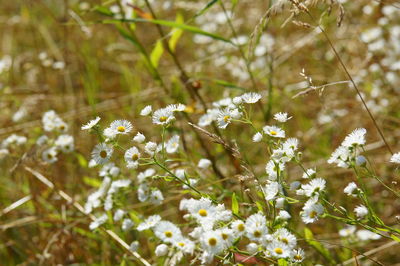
226, 118
135, 157
103, 154
181, 244
212, 241
272, 132
313, 214
298, 257
257, 233
224, 236
121, 129
278, 251
168, 233
163, 118
284, 240
202, 212
49, 156
240, 227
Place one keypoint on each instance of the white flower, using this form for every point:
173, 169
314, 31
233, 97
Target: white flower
274, 131
146, 110
284, 215
65, 143
4, 153
340, 156
98, 221
294, 185
237, 100
121, 126
156, 197
365, 235
163, 116
132, 156
19, 115
186, 245
238, 228
355, 138
118, 215
282, 117
212, 242
176, 107
150, 148
271, 190
109, 133
102, 153
150, 222
251, 97
42, 140
309, 173
224, 118
139, 138
256, 227
347, 231
127, 224
361, 211
284, 236
161, 250
109, 169
252, 248
50, 155
273, 169
257, 137
91, 124
311, 211
279, 249
395, 158
204, 163
134, 246
298, 255
172, 144
167, 232
350, 188
314, 187
361, 160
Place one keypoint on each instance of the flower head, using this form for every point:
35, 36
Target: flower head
102, 153
274, 131
91, 124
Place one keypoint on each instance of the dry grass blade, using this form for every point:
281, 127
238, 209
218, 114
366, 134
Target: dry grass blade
16, 204
19, 222
80, 208
368, 253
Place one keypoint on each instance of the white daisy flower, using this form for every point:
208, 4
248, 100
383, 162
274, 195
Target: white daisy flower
274, 131
132, 156
156, 197
314, 187
167, 232
187, 246
118, 215
146, 110
127, 224
347, 231
163, 116
251, 97
172, 144
282, 117
361, 211
237, 100
273, 169
161, 250
252, 248
139, 138
365, 235
350, 188
50, 155
340, 156
98, 221
271, 190
395, 158
150, 222
176, 107
102, 153
309, 173
238, 228
91, 124
224, 118
42, 140
150, 148
65, 143
284, 236
204, 163
121, 126
355, 138
256, 227
212, 242
257, 137
298, 255
284, 215
278, 249
311, 211
226, 236
109, 133
290, 145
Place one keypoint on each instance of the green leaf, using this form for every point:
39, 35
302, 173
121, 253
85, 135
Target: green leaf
156, 53
176, 33
81, 160
104, 11
282, 262
259, 206
93, 182
172, 24
309, 237
228, 84
204, 9
235, 204
395, 238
